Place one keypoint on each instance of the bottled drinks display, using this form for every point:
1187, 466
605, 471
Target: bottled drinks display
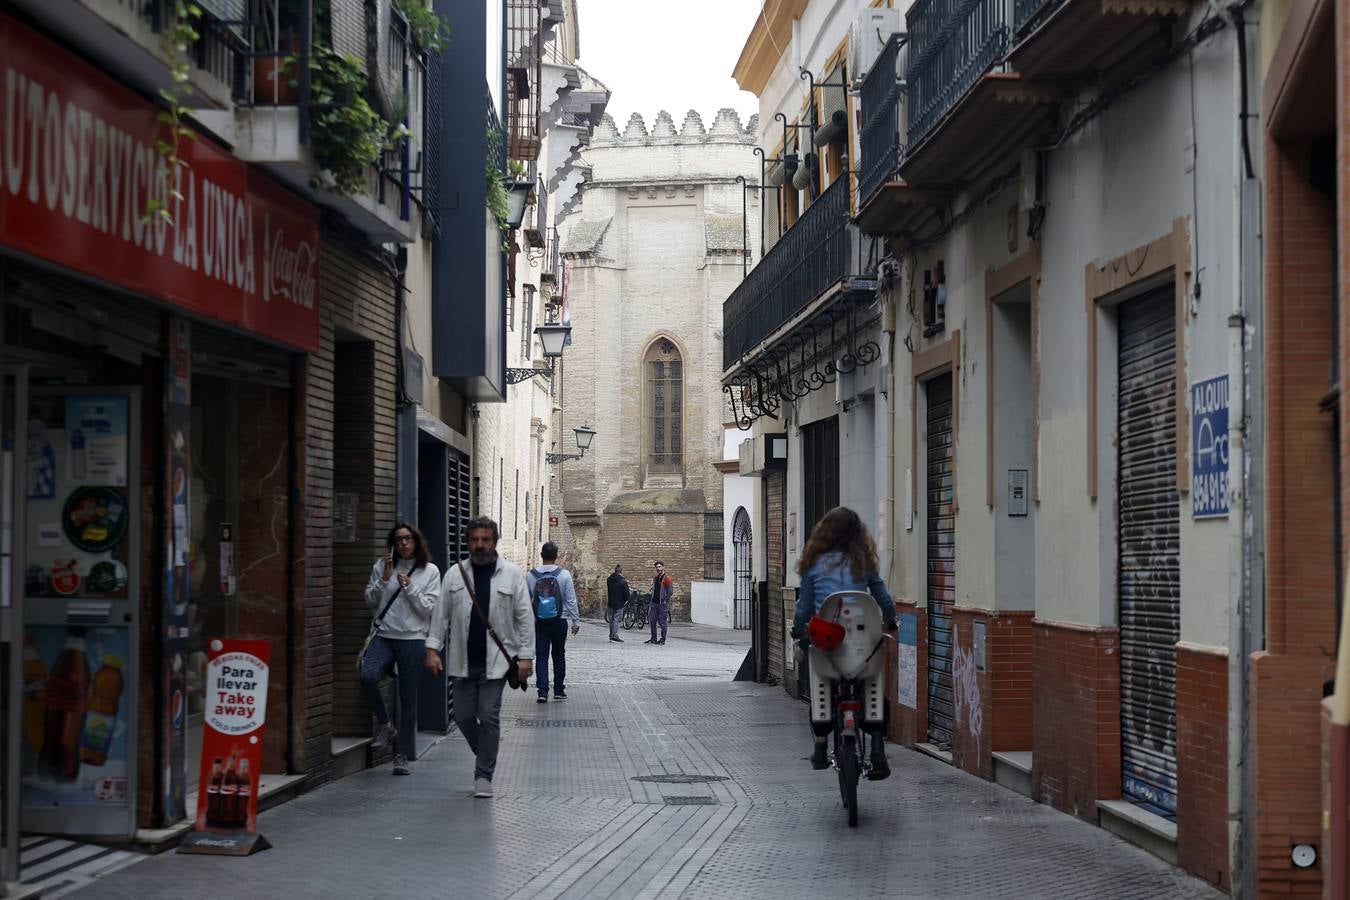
228, 793
67, 696
100, 718
34, 695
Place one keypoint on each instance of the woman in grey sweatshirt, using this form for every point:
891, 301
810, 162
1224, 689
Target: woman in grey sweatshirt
402, 593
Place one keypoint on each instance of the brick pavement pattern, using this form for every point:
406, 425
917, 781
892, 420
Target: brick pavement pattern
661, 777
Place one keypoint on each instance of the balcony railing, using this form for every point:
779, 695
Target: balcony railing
881, 143
524, 70
1028, 13
806, 261
953, 43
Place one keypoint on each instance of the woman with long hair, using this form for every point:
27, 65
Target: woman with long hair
840, 555
402, 592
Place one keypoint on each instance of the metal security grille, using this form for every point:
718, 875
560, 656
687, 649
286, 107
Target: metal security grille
820, 471
743, 570
459, 509
941, 559
714, 546
1150, 569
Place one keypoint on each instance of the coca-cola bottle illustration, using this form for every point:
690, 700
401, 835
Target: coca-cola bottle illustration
67, 697
213, 793
245, 795
229, 792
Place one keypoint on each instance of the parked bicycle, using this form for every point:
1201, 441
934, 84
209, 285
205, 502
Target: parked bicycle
637, 610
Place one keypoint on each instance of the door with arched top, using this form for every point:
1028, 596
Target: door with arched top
743, 570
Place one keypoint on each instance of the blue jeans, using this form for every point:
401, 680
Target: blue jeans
550, 639
660, 615
380, 657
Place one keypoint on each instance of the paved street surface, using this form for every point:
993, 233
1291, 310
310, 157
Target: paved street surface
661, 777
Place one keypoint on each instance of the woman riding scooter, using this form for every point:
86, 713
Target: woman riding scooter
840, 555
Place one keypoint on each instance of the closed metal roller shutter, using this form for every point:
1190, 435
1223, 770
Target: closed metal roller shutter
458, 513
1150, 570
941, 559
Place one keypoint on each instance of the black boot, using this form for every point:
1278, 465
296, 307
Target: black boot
818, 758
881, 769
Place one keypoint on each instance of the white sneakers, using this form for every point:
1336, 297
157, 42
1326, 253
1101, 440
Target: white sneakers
482, 788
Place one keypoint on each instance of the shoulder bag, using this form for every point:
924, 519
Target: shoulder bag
375, 625
513, 662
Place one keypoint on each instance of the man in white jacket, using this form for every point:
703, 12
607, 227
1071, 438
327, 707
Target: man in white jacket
481, 597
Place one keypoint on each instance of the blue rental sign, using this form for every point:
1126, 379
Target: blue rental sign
1209, 448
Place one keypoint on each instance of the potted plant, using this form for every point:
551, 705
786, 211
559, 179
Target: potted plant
276, 45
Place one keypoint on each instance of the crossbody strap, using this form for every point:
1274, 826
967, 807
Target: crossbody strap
379, 620
468, 586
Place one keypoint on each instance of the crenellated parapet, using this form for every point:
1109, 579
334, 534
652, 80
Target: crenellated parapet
726, 128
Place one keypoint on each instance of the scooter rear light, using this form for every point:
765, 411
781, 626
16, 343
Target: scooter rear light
851, 706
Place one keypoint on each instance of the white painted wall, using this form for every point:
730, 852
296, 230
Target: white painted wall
710, 604
1113, 187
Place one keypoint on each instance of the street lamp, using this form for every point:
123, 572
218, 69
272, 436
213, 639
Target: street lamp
554, 337
585, 434
517, 198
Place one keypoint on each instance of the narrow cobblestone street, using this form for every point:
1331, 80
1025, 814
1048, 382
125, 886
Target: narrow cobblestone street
592, 802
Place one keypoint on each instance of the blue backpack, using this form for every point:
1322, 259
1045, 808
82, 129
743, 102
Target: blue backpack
547, 594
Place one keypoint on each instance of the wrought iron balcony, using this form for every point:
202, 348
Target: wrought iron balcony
808, 260
952, 44
881, 141
1028, 13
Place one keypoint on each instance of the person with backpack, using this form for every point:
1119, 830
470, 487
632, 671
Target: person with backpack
555, 601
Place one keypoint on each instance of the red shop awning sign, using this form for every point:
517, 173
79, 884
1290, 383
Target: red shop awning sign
80, 169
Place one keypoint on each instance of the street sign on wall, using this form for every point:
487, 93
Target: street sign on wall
1209, 448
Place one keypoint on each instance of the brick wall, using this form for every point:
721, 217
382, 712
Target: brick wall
1202, 763
356, 304
910, 726
972, 725
1076, 725
1000, 717
636, 541
775, 487
1300, 227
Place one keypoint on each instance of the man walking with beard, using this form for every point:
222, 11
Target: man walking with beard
484, 600
662, 588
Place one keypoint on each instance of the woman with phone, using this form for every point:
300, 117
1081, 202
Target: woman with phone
402, 593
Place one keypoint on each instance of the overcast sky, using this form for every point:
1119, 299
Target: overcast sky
674, 55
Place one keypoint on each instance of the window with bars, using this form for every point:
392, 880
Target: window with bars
714, 546
527, 322
665, 408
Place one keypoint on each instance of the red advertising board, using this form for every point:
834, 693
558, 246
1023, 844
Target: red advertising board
235, 714
80, 166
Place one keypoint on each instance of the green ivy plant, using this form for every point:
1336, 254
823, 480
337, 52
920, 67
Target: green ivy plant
497, 202
431, 30
178, 39
347, 135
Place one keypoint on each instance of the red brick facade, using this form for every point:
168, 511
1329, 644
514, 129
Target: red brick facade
1076, 724
1202, 763
910, 726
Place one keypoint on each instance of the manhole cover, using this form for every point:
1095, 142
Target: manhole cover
690, 801
560, 723
680, 779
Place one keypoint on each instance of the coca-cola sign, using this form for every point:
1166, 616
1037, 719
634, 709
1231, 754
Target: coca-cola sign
79, 169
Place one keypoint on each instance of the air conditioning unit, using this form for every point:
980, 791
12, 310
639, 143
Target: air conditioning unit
866, 36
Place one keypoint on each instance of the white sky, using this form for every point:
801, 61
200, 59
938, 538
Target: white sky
674, 55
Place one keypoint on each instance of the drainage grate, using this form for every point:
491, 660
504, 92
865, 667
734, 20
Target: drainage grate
690, 801
560, 723
680, 779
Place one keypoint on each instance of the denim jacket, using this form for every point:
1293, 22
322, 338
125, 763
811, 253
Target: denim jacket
828, 574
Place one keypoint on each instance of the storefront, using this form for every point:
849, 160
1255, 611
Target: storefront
147, 367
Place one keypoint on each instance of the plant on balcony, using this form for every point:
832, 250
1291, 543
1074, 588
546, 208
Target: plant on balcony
431, 31
496, 180
347, 134
177, 41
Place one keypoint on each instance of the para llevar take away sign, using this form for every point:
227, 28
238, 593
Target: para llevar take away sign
1209, 448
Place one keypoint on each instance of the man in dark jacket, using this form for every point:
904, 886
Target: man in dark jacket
618, 597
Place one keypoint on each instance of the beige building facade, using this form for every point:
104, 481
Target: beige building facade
657, 244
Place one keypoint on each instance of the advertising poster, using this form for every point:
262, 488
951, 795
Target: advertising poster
907, 667
235, 715
74, 743
178, 475
79, 519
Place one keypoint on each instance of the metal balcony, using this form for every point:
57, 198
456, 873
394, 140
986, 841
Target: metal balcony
811, 258
953, 43
881, 142
1099, 40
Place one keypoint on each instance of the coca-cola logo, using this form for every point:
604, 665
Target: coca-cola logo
289, 271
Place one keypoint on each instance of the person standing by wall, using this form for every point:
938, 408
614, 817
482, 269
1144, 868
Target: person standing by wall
554, 597
402, 592
482, 603
662, 588
619, 592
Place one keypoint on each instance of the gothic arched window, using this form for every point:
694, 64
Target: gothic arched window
664, 375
